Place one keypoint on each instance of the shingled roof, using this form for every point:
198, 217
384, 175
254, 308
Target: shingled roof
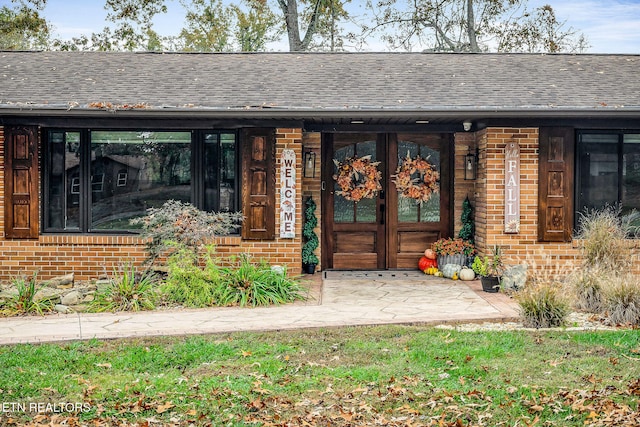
299, 85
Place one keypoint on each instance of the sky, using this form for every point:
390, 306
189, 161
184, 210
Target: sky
611, 26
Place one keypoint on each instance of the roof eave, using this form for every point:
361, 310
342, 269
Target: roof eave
301, 113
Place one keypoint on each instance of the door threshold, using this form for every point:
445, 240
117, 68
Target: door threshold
371, 274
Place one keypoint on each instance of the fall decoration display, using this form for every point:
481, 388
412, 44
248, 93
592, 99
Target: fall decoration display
418, 188
449, 246
358, 178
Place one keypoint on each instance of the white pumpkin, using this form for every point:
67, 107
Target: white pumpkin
466, 274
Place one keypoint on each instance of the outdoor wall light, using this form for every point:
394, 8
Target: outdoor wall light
466, 125
309, 164
470, 165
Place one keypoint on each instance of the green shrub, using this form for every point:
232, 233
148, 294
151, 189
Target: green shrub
308, 233
203, 282
622, 300
254, 284
25, 302
542, 306
128, 291
187, 283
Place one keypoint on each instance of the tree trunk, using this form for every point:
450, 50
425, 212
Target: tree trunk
290, 11
471, 28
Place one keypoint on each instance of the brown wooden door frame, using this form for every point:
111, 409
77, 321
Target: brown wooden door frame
428, 231
328, 224
388, 227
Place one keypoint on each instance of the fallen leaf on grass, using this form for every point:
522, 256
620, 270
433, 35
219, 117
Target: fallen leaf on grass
163, 408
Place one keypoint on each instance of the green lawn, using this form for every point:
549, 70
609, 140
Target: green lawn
392, 375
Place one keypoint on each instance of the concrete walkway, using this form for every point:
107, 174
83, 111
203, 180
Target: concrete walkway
336, 299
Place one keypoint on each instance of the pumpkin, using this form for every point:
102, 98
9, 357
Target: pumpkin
429, 253
450, 269
422, 263
466, 274
425, 263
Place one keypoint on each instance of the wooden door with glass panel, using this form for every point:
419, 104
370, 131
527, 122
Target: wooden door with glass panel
388, 229
354, 230
420, 214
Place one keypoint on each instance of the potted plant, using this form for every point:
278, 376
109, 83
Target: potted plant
309, 258
490, 269
453, 251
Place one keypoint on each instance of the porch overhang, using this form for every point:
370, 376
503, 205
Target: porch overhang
320, 117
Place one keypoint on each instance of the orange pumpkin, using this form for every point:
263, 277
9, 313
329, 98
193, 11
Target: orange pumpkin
425, 263
429, 253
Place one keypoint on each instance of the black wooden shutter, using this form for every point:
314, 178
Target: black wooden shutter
258, 183
21, 182
555, 184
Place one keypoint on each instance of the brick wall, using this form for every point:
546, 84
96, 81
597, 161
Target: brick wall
311, 185
462, 188
489, 203
92, 256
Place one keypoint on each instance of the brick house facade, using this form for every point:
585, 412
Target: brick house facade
407, 98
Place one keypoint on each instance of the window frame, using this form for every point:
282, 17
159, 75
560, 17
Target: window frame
620, 133
197, 164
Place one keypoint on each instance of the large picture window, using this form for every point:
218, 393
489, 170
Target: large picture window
97, 181
608, 170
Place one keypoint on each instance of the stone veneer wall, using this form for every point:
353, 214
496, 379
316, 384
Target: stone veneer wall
90, 256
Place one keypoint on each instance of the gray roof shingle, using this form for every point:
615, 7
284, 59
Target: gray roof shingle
307, 83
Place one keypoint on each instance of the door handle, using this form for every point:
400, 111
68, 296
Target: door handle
381, 214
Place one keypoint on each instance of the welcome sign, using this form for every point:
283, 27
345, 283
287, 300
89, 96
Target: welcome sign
288, 194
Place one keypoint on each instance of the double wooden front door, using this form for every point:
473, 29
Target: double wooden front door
387, 231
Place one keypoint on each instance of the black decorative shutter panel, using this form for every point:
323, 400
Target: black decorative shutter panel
555, 184
21, 182
258, 183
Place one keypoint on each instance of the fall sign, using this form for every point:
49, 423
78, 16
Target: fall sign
512, 188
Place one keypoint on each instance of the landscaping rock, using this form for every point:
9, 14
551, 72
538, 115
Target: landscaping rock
72, 298
514, 278
61, 282
8, 294
48, 294
60, 308
102, 284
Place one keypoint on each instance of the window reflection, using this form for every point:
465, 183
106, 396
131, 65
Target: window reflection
408, 209
158, 167
100, 180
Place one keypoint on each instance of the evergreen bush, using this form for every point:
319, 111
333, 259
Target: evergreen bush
310, 237
468, 229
